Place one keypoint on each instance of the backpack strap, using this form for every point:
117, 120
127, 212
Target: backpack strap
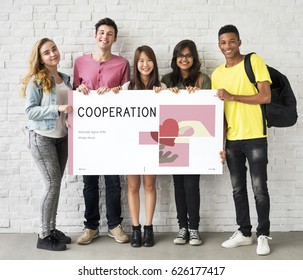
251, 76
248, 68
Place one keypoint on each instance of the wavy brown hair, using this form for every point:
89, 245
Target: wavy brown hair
37, 70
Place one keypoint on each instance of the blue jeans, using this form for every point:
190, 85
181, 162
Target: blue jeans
187, 198
91, 200
255, 151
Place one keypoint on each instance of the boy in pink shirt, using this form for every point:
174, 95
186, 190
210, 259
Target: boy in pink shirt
101, 71
95, 74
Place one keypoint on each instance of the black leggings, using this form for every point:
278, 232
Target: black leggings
187, 198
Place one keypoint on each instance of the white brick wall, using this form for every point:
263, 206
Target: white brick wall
274, 29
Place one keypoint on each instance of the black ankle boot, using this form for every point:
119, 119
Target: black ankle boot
148, 238
136, 239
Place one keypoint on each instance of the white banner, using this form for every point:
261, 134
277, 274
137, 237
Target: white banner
143, 132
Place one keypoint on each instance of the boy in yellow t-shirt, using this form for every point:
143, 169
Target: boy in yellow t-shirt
245, 139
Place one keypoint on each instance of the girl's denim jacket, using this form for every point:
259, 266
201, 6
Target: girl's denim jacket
43, 116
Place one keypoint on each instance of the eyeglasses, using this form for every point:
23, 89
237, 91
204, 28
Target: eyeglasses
187, 56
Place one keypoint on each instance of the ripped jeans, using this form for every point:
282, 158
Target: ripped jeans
255, 152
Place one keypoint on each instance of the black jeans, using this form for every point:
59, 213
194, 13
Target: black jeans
91, 200
187, 198
255, 151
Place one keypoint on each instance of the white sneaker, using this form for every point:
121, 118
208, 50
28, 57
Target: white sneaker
263, 247
237, 239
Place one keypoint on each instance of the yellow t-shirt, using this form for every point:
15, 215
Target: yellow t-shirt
244, 121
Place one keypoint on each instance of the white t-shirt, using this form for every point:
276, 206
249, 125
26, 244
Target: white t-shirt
61, 130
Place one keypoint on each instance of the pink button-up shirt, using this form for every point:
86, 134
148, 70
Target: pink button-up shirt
94, 74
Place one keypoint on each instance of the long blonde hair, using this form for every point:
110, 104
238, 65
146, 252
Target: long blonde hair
37, 70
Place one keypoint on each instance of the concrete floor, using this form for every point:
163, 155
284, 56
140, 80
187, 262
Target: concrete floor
284, 246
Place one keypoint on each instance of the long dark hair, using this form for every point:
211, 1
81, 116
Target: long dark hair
136, 82
176, 76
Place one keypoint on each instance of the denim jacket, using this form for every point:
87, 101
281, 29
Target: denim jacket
42, 116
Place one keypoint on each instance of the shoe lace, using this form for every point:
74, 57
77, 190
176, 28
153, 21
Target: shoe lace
182, 233
194, 234
235, 234
263, 238
53, 240
119, 230
57, 234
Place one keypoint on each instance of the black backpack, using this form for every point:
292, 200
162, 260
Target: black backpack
282, 111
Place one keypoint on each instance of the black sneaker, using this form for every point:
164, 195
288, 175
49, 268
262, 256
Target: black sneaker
182, 236
60, 236
194, 237
50, 243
